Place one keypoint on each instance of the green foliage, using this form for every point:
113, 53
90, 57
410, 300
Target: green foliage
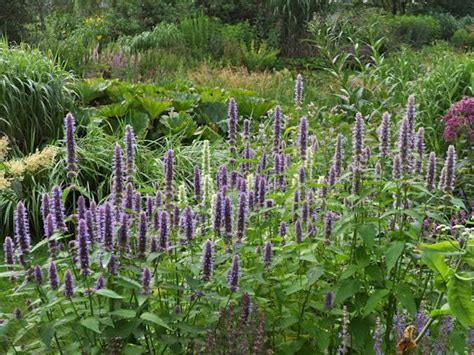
415, 30
463, 39
258, 57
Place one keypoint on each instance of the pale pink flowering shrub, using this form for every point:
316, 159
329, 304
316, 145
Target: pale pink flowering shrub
460, 120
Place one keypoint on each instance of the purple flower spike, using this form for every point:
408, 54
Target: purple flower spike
83, 247
227, 218
164, 230
91, 227
142, 235
241, 215
112, 265
58, 209
128, 200
245, 309
404, 146
303, 137
38, 275
277, 130
81, 208
168, 167
329, 300
246, 132
187, 224
328, 224
282, 229
123, 232
68, 285
197, 184
399, 324
384, 135
146, 281
449, 166
45, 206
234, 274
207, 260
222, 178
420, 149
431, 172
298, 231
218, 214
22, 229
358, 138
442, 342
117, 177
107, 225
18, 314
337, 158
397, 167
100, 283
232, 116
378, 334
129, 152
8, 250
53, 276
69, 130
267, 254
49, 231
299, 87
150, 205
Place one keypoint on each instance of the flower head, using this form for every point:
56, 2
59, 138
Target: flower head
234, 274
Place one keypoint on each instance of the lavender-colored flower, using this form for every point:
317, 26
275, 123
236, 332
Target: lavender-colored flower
197, 184
232, 116
277, 130
384, 135
431, 172
100, 283
262, 189
168, 167
107, 225
470, 341
378, 334
358, 138
421, 319
303, 137
150, 205
245, 309
441, 344
142, 235
337, 158
311, 230
404, 145
399, 324
83, 247
146, 281
329, 300
69, 130
58, 209
68, 284
449, 167
18, 314
49, 230
218, 213
332, 175
234, 274
397, 167
38, 275
328, 224
81, 208
343, 349
267, 254
128, 199
378, 170
187, 224
22, 229
91, 226
420, 149
45, 206
53, 276
164, 230
154, 245
222, 178
112, 266
117, 176
129, 152
241, 215
207, 260
8, 250
227, 214
282, 230
246, 131
305, 212
175, 217
299, 87
298, 231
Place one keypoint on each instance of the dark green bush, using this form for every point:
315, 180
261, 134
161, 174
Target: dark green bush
449, 24
415, 30
463, 39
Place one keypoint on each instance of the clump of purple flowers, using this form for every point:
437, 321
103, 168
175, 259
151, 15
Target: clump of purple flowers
460, 120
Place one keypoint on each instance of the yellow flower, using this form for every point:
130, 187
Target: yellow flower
39, 160
3, 147
4, 182
99, 37
15, 167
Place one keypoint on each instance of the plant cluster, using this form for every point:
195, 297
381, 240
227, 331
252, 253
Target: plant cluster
302, 240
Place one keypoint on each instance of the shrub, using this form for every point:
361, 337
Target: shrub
415, 30
463, 39
449, 24
258, 56
34, 96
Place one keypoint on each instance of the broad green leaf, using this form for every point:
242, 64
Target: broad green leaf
153, 318
46, 333
108, 293
153, 106
92, 324
347, 289
314, 274
441, 247
124, 313
367, 232
435, 262
374, 300
405, 296
460, 300
132, 349
393, 253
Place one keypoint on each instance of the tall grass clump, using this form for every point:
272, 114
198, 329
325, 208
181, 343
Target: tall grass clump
33, 96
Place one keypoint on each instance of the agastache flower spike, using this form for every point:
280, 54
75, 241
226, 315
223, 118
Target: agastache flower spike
404, 145
232, 128
137, 202
107, 225
146, 281
22, 229
168, 165
431, 172
150, 205
328, 300
241, 215
127, 202
117, 177
303, 137
164, 230
142, 237
49, 231
81, 208
267, 254
299, 87
38, 275
100, 283
83, 247
197, 184
234, 274
337, 159
420, 149
207, 260
53, 276
397, 167
227, 217
449, 166
8, 250
69, 130
58, 209
378, 337
246, 132
91, 226
410, 115
68, 285
399, 324
277, 130
384, 135
298, 231
45, 206
343, 349
328, 224
129, 152
187, 224
441, 344
358, 138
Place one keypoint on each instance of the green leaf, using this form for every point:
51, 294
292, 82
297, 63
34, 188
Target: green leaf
124, 313
153, 318
347, 289
153, 106
404, 295
393, 253
46, 333
460, 300
92, 324
108, 293
441, 247
435, 262
314, 274
374, 300
367, 232
132, 349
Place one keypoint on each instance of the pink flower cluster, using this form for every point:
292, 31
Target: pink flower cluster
459, 119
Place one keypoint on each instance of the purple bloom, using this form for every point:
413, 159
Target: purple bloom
69, 130
227, 217
8, 250
449, 167
378, 334
168, 167
207, 260
53, 276
141, 235
45, 206
222, 178
328, 224
187, 224
329, 300
83, 246
421, 319
399, 324
245, 309
38, 275
197, 184
303, 137
337, 158
267, 254
460, 120
378, 170
234, 274
117, 176
107, 225
129, 152
332, 175
146, 281
18, 314
100, 283
431, 172
420, 149
232, 116
112, 265
277, 130
397, 167
58, 209
246, 132
384, 135
218, 214
358, 138
155, 245
68, 285
164, 230
22, 229
81, 208
150, 205
298, 231
241, 215
91, 226
404, 145
128, 200
299, 86
441, 344
49, 231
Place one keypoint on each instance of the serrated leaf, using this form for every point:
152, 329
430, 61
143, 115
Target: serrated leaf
347, 289
153, 318
92, 324
108, 293
124, 313
374, 300
393, 253
460, 300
